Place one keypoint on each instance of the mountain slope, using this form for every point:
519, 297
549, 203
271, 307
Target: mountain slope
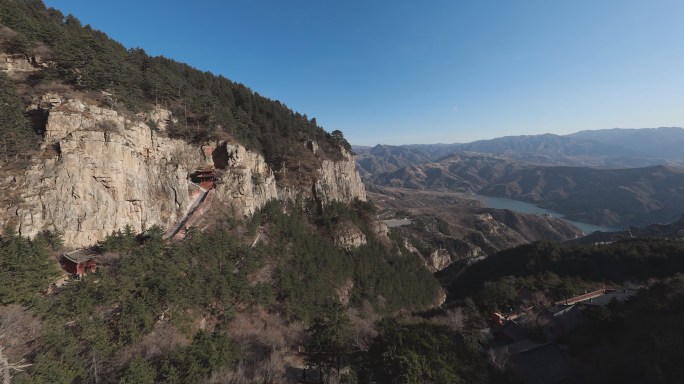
463, 173
386, 158
451, 227
108, 150
111, 138
663, 142
553, 149
40, 45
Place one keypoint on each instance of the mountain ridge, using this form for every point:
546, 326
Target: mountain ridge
607, 148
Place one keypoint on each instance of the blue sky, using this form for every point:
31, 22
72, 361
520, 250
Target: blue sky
400, 72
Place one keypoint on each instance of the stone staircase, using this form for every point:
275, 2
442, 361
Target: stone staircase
177, 228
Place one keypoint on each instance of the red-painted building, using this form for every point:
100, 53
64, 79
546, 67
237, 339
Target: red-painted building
204, 178
79, 262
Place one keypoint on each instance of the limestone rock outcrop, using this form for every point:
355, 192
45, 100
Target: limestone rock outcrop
101, 170
16, 64
246, 182
339, 180
110, 172
348, 236
438, 260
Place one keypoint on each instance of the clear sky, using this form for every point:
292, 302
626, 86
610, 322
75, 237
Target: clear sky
400, 72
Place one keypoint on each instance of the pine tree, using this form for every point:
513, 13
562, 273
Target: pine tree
331, 340
16, 135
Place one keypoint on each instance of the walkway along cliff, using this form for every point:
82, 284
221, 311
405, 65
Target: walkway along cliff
101, 170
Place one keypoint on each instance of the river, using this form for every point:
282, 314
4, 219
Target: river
523, 207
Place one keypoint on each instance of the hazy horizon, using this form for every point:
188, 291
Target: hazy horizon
538, 134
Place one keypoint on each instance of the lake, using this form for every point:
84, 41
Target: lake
523, 207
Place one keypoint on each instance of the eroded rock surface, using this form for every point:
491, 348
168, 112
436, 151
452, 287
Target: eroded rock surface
348, 236
102, 170
110, 171
340, 181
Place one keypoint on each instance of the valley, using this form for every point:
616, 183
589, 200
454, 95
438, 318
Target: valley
455, 228
600, 196
519, 206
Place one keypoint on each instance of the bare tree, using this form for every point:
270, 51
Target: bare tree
6, 367
18, 329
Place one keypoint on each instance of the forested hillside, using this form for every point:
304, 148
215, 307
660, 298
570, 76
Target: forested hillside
608, 312
145, 288
639, 341
206, 105
561, 270
15, 128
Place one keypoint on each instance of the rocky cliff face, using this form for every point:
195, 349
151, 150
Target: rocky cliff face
101, 171
109, 171
246, 181
438, 260
339, 180
15, 65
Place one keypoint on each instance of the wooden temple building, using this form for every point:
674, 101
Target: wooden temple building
79, 262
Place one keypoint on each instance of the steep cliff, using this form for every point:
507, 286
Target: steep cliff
101, 170
339, 180
246, 182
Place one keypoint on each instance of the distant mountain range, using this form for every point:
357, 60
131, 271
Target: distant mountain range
609, 177
607, 148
